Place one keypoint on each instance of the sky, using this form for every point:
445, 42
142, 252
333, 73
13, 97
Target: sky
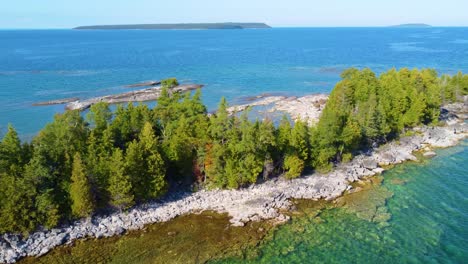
278, 13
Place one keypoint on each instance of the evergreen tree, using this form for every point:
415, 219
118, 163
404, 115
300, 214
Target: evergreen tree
80, 190
43, 184
299, 142
155, 163
99, 115
135, 168
221, 126
266, 144
283, 134
120, 186
11, 153
48, 211
169, 83
17, 211
293, 166
145, 166
221, 122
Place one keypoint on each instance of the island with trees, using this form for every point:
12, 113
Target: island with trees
227, 25
412, 25
107, 162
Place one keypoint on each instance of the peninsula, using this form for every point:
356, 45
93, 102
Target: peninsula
227, 25
143, 95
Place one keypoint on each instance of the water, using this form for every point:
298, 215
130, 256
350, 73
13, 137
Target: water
428, 221
429, 207
40, 65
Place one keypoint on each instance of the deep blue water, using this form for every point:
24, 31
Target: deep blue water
38, 65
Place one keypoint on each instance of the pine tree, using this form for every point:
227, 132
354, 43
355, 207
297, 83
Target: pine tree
17, 212
266, 144
146, 166
218, 153
250, 155
215, 164
135, 168
300, 140
10, 152
120, 186
221, 122
48, 211
157, 173
80, 190
293, 165
39, 177
350, 137
99, 115
283, 134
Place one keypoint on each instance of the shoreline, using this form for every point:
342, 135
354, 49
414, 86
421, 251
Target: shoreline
255, 203
142, 95
306, 108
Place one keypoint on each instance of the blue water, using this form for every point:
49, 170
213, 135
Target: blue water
39, 65
428, 214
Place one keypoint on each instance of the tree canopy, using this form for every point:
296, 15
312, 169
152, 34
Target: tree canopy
78, 165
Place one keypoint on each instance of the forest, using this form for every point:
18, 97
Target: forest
87, 163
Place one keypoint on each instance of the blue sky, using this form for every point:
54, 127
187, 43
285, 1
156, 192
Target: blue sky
71, 13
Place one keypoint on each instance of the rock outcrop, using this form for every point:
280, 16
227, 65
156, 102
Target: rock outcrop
262, 201
306, 108
144, 95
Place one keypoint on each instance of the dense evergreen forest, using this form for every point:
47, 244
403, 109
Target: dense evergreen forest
79, 164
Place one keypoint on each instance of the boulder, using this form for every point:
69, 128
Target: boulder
369, 163
378, 170
429, 154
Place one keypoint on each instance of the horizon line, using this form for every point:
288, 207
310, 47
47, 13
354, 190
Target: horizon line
272, 27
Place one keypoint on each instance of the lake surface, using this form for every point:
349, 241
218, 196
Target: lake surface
40, 65
424, 221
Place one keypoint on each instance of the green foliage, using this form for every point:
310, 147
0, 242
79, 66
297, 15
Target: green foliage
169, 83
145, 166
99, 115
17, 212
47, 209
120, 186
364, 110
293, 165
80, 190
134, 153
11, 158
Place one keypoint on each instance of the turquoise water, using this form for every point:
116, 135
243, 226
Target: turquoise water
38, 65
428, 221
425, 221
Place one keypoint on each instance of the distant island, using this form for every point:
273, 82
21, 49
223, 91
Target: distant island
413, 25
228, 25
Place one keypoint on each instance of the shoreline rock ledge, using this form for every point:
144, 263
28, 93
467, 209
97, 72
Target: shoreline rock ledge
258, 202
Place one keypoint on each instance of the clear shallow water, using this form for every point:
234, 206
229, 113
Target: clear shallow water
428, 214
428, 223
41, 65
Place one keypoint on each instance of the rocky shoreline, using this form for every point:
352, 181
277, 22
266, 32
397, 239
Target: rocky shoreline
143, 95
308, 107
258, 202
